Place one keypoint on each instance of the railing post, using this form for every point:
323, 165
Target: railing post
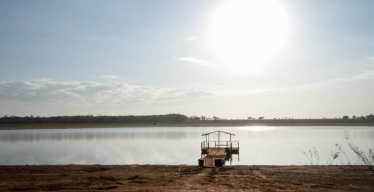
201, 145
215, 144
208, 145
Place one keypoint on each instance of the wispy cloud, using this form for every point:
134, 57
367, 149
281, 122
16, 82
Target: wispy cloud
366, 75
370, 62
371, 59
193, 60
108, 76
43, 79
60, 92
190, 38
49, 91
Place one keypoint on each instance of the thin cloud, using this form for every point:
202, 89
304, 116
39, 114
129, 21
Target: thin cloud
49, 91
371, 59
193, 60
190, 38
42, 79
96, 92
108, 76
370, 62
366, 75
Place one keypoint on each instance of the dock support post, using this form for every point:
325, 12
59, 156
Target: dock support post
230, 138
218, 137
208, 141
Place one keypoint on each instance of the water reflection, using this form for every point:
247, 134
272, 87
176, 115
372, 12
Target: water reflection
257, 128
258, 145
90, 136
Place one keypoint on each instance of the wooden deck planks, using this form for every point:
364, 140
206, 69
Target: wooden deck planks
209, 162
217, 152
214, 153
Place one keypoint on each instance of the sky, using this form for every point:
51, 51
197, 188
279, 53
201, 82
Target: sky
231, 59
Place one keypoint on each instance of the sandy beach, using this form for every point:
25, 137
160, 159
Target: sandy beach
184, 178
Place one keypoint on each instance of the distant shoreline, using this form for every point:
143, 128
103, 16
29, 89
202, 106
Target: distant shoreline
208, 123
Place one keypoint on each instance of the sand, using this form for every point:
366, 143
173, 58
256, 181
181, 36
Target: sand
184, 178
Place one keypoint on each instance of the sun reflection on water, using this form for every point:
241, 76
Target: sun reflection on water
257, 128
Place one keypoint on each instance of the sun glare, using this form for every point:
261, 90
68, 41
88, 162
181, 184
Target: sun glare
257, 128
248, 30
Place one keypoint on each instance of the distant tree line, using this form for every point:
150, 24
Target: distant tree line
169, 118
204, 118
369, 117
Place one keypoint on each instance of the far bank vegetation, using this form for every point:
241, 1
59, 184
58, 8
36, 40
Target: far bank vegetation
168, 118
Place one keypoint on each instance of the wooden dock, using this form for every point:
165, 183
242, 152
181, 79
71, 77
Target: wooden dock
216, 156
217, 152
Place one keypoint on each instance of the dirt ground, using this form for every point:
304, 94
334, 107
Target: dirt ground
184, 178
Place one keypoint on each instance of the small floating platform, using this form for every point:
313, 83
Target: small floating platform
215, 155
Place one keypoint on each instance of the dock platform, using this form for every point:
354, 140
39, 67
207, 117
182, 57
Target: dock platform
215, 157
216, 154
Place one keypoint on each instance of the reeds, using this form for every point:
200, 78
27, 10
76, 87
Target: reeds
313, 156
366, 158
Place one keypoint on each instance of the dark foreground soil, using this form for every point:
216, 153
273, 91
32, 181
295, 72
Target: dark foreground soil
184, 178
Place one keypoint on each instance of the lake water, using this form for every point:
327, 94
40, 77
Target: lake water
174, 146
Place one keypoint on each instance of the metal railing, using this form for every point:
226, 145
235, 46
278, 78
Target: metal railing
215, 144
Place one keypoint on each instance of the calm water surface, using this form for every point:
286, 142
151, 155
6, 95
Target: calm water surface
258, 145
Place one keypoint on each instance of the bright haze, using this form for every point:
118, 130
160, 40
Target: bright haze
231, 59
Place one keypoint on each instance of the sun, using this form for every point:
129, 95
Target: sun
245, 31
